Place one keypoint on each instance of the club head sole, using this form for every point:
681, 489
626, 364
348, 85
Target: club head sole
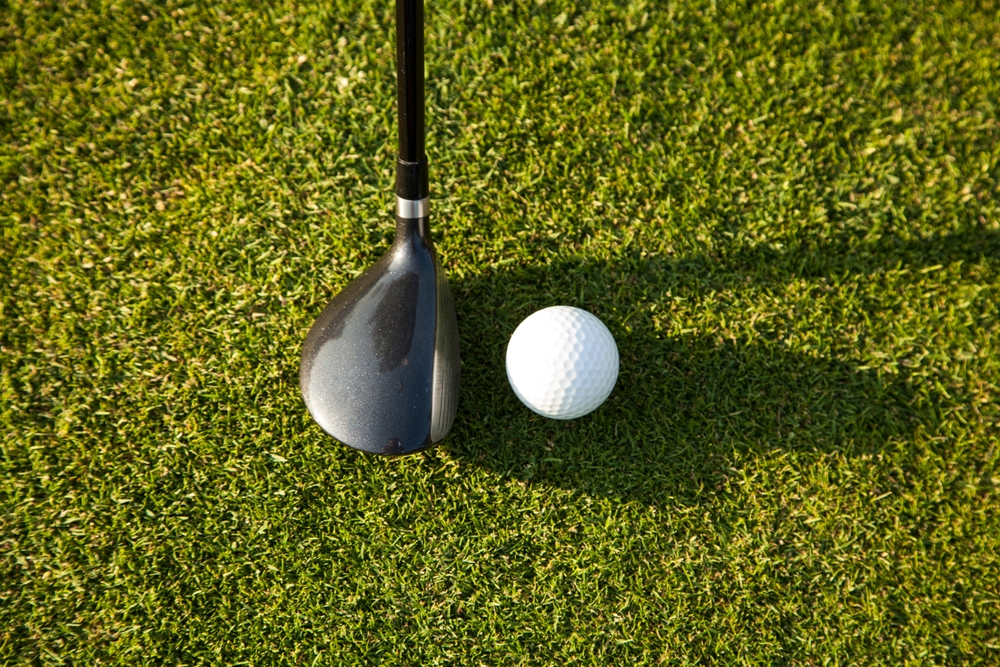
380, 368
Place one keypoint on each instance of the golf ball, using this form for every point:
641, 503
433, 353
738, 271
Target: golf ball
562, 362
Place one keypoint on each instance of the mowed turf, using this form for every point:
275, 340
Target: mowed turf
785, 212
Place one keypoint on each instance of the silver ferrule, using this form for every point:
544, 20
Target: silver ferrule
412, 209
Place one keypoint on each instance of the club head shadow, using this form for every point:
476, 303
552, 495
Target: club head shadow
380, 366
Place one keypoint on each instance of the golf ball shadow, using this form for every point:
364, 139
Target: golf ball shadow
685, 409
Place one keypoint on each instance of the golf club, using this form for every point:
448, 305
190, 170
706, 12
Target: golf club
380, 366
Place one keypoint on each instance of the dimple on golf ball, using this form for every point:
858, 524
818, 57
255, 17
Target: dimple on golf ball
562, 362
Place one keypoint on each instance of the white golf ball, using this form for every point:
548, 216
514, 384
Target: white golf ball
562, 362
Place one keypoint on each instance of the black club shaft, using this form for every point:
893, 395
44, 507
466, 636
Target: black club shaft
411, 166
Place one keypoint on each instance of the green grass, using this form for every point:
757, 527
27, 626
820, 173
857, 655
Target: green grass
786, 214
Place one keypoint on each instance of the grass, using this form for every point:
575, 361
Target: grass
785, 212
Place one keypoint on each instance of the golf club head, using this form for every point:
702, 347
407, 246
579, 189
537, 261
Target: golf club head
380, 366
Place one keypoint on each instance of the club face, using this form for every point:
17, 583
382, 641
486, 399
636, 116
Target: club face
380, 366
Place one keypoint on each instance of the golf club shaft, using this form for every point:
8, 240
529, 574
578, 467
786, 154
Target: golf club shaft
411, 165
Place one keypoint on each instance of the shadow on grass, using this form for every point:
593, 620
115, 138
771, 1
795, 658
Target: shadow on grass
686, 406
